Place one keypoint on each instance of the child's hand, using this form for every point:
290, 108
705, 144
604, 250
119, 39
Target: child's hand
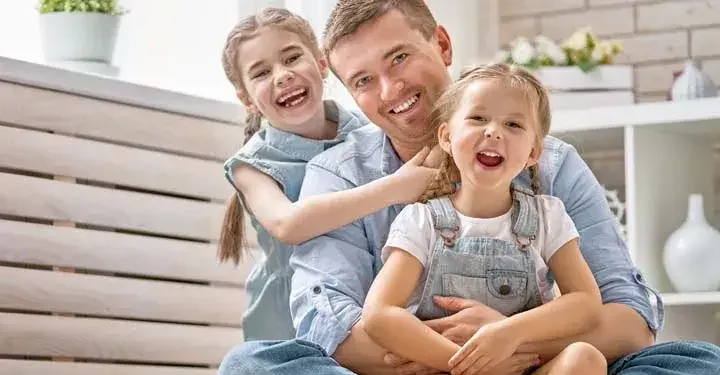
489, 346
412, 179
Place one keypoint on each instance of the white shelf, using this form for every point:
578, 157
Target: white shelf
699, 298
660, 153
699, 112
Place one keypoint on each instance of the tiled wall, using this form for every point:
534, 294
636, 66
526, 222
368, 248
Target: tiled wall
658, 35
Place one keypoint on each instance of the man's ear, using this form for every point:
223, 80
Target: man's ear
323, 65
443, 40
444, 137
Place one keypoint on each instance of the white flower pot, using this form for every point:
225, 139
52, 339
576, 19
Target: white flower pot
78, 36
571, 88
692, 252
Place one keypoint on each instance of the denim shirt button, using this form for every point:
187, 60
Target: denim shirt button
317, 290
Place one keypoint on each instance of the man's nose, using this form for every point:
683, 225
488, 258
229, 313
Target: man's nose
390, 89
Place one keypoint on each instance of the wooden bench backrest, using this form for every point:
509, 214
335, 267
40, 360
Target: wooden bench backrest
109, 218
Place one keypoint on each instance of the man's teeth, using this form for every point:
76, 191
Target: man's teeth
285, 97
406, 104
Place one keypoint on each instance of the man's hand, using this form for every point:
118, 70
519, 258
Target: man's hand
515, 365
466, 319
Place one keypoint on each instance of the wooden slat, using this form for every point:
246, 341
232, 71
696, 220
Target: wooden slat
81, 158
99, 119
46, 245
118, 297
105, 339
54, 200
22, 367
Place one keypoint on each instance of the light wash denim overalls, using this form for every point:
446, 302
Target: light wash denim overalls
282, 156
498, 273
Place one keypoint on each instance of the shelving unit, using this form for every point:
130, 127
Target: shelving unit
656, 155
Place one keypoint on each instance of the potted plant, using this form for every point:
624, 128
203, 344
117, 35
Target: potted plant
579, 72
79, 30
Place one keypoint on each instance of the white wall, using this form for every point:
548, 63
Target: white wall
473, 27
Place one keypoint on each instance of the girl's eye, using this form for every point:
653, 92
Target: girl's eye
292, 59
400, 58
513, 124
261, 74
479, 118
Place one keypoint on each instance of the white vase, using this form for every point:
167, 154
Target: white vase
692, 252
693, 83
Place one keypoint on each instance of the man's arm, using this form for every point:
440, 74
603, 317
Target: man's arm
628, 320
332, 274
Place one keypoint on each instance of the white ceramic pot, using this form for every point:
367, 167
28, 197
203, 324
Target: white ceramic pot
692, 252
78, 36
693, 83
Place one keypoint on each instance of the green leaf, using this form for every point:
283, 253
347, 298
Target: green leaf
588, 66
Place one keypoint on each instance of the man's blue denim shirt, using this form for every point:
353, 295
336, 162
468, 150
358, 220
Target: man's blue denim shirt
333, 272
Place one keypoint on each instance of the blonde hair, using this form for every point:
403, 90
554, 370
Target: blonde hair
349, 15
232, 243
510, 75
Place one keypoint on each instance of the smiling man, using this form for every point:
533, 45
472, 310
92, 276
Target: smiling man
393, 58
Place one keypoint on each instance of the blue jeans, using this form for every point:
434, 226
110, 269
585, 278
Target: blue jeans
299, 357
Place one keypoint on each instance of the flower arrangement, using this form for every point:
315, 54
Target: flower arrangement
582, 49
89, 6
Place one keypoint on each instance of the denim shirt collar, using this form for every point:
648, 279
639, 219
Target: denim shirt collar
390, 162
306, 148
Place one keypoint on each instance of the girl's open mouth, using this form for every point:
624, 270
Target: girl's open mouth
489, 159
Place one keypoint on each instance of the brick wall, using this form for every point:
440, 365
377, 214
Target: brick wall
658, 35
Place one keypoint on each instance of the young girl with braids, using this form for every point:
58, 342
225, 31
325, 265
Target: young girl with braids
274, 62
487, 238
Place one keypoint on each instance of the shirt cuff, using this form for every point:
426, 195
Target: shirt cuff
626, 285
328, 317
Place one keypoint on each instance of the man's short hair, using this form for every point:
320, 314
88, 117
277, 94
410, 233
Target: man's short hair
349, 15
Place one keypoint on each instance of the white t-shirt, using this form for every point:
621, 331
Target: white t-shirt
413, 231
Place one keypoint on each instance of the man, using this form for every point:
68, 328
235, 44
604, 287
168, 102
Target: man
393, 59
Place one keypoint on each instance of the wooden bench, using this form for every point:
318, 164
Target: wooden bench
109, 215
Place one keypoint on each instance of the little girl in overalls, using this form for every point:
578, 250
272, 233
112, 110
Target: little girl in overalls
488, 238
274, 62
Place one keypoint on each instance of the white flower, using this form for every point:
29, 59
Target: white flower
501, 56
578, 40
522, 51
547, 47
601, 51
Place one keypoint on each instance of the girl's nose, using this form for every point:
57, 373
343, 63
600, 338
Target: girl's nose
285, 78
492, 132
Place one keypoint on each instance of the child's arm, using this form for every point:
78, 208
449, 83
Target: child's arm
295, 222
390, 325
577, 310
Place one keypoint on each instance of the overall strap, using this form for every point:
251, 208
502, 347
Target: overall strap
524, 215
445, 219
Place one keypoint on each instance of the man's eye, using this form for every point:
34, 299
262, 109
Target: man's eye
400, 58
362, 82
